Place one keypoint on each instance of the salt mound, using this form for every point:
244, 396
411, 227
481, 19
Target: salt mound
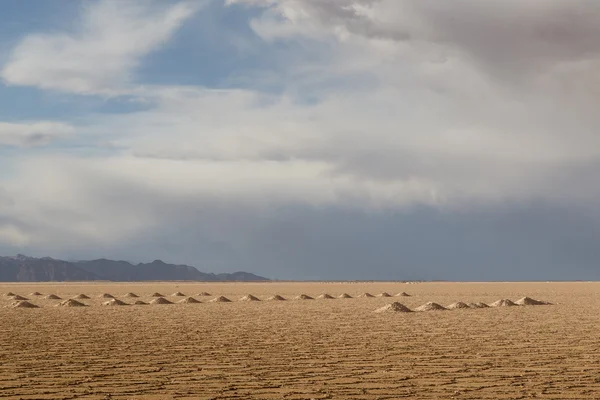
366, 295
160, 300
249, 297
10, 294
81, 297
35, 294
503, 303
52, 297
189, 300
155, 294
528, 301
204, 294
325, 296
478, 305
115, 302
178, 294
23, 304
303, 297
403, 294
17, 297
276, 298
220, 299
457, 305
430, 306
107, 296
344, 296
133, 295
393, 307
384, 294
71, 303
140, 303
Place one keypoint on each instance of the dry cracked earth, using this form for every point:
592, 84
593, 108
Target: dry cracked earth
313, 349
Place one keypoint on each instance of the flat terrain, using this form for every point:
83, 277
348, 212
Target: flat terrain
319, 349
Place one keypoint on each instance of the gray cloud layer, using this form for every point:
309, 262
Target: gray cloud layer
407, 140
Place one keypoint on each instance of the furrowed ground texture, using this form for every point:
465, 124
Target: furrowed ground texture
335, 348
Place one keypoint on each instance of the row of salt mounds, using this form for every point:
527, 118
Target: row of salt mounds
394, 307
23, 304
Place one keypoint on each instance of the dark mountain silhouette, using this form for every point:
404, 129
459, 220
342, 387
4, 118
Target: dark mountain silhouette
29, 269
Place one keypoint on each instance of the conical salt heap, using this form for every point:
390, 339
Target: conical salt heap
204, 294
457, 305
303, 297
107, 296
393, 307
9, 294
503, 303
52, 297
35, 294
155, 294
430, 306
276, 298
325, 296
344, 296
17, 297
478, 305
366, 295
71, 303
115, 302
220, 299
160, 300
403, 294
189, 300
178, 294
140, 303
23, 304
384, 294
132, 295
528, 301
249, 297
81, 296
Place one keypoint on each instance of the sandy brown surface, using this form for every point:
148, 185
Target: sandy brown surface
321, 349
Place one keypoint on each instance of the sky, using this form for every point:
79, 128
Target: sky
305, 139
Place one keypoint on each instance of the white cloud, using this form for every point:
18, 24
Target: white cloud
101, 55
31, 134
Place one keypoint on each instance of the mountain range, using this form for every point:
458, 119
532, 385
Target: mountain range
21, 268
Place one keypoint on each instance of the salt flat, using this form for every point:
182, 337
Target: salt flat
301, 349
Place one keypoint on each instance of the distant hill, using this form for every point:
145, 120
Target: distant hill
29, 269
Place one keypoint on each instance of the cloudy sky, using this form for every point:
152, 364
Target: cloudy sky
305, 139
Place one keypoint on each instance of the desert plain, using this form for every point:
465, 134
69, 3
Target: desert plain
300, 349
